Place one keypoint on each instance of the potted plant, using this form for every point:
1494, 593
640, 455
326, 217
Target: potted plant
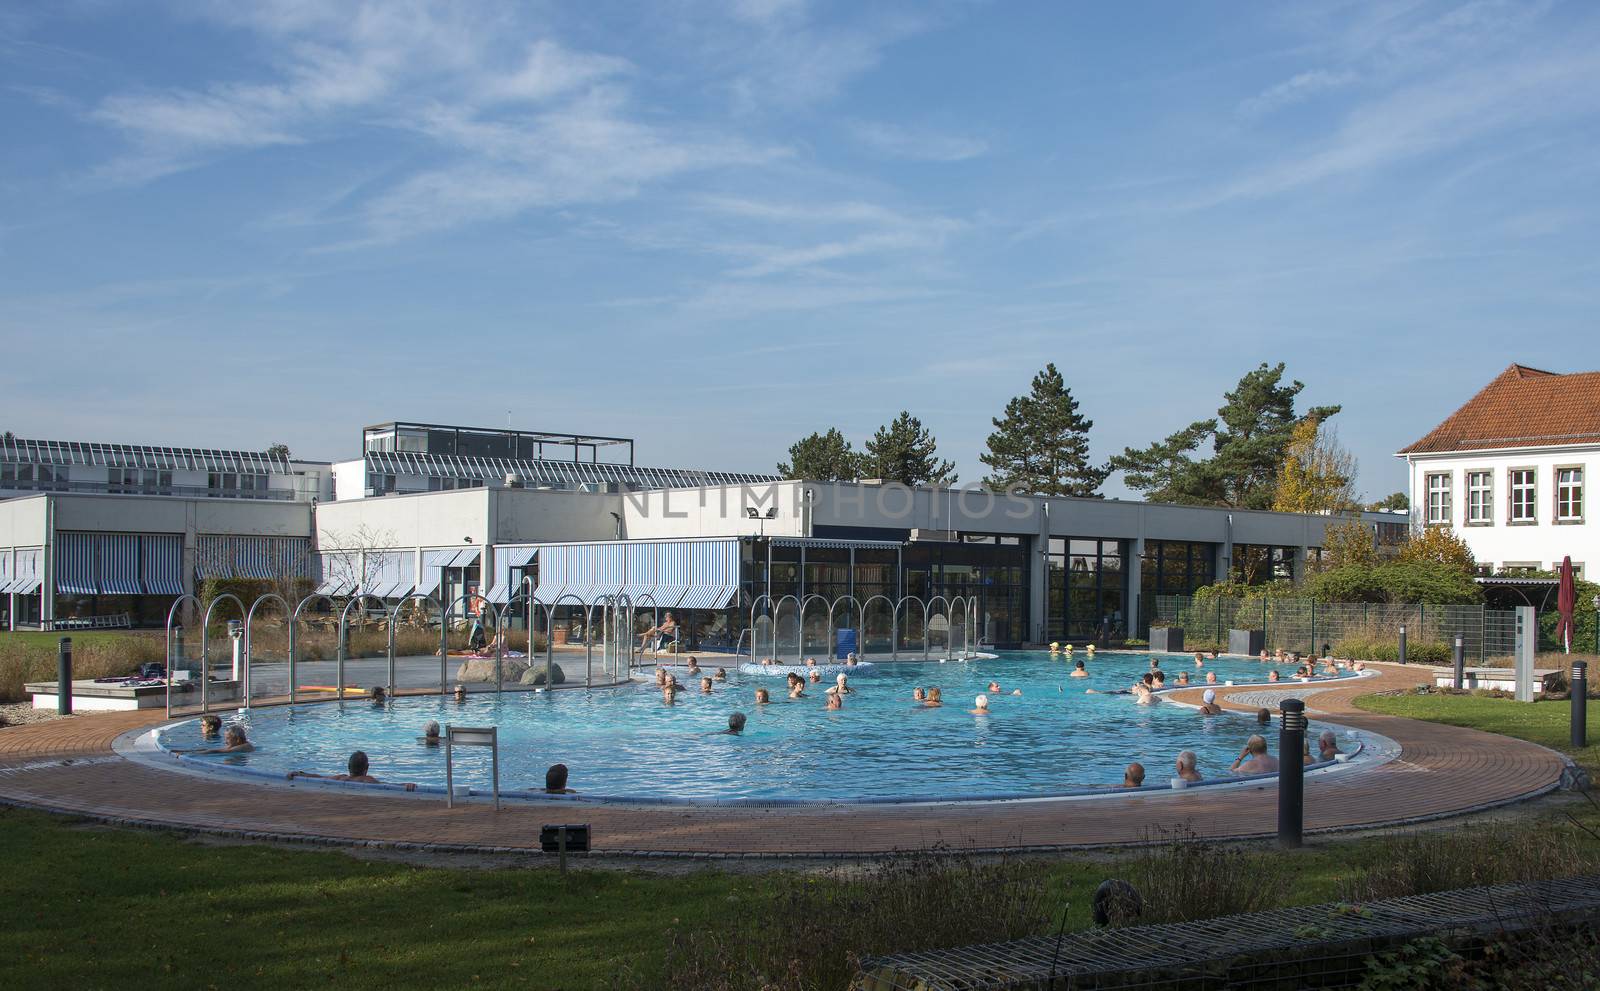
1166, 638
1247, 642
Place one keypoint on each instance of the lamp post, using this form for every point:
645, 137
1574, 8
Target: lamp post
1597, 624
761, 518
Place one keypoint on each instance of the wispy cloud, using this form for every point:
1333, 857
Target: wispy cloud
1295, 89
927, 146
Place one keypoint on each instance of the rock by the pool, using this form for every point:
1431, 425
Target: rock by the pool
535, 675
481, 669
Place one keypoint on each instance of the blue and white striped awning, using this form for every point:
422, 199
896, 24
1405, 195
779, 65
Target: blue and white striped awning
119, 563
339, 571
161, 568
75, 564
5, 570
26, 574
250, 557
388, 574
671, 574
433, 565
507, 558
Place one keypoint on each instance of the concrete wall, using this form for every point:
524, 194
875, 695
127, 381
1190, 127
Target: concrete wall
715, 511
1499, 543
534, 515
24, 522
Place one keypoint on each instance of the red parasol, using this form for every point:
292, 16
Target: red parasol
1566, 599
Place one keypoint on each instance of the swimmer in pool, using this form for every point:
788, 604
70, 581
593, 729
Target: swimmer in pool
1199, 659
210, 726
980, 706
1211, 677
430, 734
705, 686
935, 698
356, 772
835, 701
816, 676
1078, 670
918, 695
1208, 703
233, 742
762, 698
722, 674
669, 693
841, 685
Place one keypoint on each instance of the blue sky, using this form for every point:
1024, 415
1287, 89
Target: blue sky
719, 226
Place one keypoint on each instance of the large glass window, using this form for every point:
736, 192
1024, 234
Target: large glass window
1523, 492
1088, 588
1480, 497
1439, 498
1258, 564
1569, 495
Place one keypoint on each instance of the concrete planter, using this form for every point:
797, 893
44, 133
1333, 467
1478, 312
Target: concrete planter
1167, 638
1248, 642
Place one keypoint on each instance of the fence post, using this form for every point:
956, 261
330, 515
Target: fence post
1291, 774
1313, 651
1579, 690
1483, 636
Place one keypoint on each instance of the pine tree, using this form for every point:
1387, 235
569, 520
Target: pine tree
1041, 445
822, 458
1249, 438
904, 451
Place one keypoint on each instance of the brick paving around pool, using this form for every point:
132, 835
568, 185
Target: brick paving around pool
69, 766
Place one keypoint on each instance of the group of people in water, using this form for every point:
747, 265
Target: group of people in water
1253, 758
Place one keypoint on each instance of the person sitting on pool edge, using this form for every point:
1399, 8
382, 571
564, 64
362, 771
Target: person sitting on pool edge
233, 742
210, 726
735, 723
980, 706
357, 772
555, 781
1208, 703
1078, 669
1185, 767
430, 734
1254, 759
1133, 776
762, 697
1328, 746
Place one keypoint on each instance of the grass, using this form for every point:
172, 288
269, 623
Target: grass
1546, 722
31, 656
89, 907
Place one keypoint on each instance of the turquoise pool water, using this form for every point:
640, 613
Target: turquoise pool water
625, 742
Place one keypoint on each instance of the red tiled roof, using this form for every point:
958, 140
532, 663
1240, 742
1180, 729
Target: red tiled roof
1521, 407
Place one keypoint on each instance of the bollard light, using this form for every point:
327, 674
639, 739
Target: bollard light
1291, 774
64, 677
1578, 689
1402, 643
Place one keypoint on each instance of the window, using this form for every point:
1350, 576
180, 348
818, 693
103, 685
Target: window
1522, 496
1569, 495
1519, 569
1480, 498
1439, 498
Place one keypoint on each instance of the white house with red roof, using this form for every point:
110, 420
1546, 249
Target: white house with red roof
1510, 470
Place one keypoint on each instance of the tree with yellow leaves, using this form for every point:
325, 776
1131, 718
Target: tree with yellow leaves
1317, 474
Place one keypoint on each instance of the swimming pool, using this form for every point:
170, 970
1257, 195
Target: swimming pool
625, 742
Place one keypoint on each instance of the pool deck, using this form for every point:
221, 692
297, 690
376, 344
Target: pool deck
69, 766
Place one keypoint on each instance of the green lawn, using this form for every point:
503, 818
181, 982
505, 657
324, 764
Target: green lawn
90, 907
1547, 723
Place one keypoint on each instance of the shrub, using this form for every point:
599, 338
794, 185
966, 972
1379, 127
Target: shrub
1429, 862
1366, 647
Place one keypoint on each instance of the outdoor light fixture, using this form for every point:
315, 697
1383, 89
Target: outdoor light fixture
753, 513
467, 539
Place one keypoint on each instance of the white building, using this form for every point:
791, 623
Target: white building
1509, 471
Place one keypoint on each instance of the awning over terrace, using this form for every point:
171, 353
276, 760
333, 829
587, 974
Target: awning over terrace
669, 574
26, 574
506, 559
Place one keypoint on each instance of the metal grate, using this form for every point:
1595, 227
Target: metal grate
1317, 946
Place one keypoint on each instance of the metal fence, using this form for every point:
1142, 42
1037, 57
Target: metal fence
1305, 625
1318, 946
